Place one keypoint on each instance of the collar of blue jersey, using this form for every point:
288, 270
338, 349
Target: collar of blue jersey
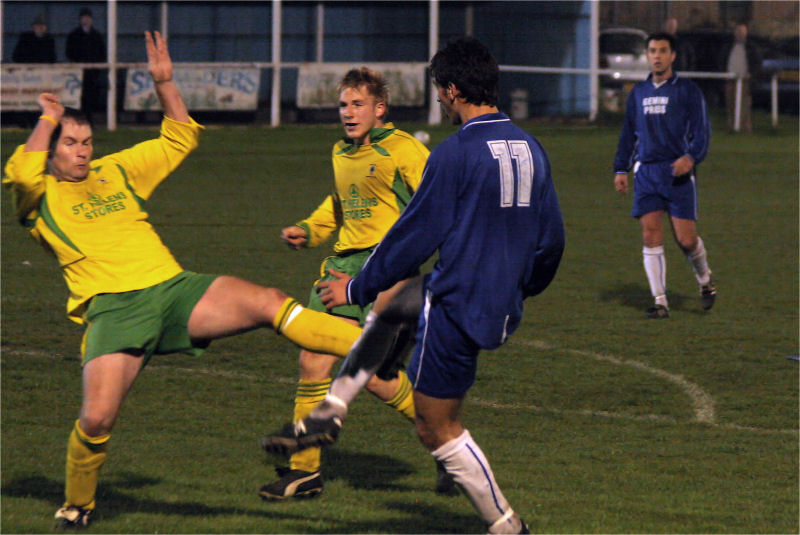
375, 136
486, 117
670, 80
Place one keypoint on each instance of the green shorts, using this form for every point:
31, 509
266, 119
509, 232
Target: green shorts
153, 320
350, 264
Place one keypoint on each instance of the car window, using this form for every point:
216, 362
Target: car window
621, 43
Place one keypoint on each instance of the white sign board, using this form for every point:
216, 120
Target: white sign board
20, 87
317, 83
202, 88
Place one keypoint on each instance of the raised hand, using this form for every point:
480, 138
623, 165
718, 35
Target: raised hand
51, 106
159, 64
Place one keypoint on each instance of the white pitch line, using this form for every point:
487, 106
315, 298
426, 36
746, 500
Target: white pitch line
579, 412
702, 402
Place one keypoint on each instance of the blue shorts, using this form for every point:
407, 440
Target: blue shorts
654, 188
445, 359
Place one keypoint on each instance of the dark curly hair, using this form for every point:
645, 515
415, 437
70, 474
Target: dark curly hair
467, 64
663, 36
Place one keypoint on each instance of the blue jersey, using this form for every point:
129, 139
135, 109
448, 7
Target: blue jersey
663, 123
488, 205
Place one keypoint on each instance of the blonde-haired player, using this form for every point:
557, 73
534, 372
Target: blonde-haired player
376, 168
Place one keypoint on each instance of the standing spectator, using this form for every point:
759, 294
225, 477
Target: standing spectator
86, 45
664, 137
37, 46
741, 57
684, 55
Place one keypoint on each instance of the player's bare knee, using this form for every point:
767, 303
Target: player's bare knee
268, 302
274, 295
315, 366
687, 243
96, 424
426, 434
652, 237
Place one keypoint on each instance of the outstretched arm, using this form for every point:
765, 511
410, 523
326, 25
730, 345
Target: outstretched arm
159, 65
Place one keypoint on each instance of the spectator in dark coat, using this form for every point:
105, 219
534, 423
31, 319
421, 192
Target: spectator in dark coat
86, 45
36, 46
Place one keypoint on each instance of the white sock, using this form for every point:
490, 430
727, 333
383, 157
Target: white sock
346, 387
655, 267
330, 406
465, 461
699, 262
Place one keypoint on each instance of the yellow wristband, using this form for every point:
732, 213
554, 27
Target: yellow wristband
49, 119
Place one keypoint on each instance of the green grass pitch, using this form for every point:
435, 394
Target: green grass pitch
594, 419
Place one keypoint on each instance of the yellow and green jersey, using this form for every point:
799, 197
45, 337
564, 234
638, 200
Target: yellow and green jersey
373, 184
97, 228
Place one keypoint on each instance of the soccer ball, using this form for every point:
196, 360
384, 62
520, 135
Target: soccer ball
422, 136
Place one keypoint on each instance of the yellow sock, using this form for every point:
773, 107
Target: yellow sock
85, 456
403, 399
309, 395
315, 331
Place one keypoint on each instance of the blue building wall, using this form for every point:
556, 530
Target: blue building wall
519, 33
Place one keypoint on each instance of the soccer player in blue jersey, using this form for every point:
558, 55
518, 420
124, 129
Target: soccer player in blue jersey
488, 206
664, 137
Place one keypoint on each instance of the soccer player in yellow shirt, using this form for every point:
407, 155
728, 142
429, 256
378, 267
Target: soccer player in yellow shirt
376, 168
125, 285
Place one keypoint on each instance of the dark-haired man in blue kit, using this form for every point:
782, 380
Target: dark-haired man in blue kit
488, 205
664, 137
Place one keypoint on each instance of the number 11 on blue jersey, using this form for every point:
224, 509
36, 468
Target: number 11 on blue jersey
504, 152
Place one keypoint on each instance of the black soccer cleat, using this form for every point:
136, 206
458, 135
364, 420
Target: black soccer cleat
306, 433
444, 481
657, 312
708, 294
73, 517
292, 484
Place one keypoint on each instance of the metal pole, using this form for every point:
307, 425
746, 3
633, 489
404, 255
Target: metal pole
469, 20
594, 60
164, 18
773, 87
111, 100
434, 112
1, 29
320, 31
737, 115
275, 104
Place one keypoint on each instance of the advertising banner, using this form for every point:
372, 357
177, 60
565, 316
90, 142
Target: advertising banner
317, 83
20, 87
202, 88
